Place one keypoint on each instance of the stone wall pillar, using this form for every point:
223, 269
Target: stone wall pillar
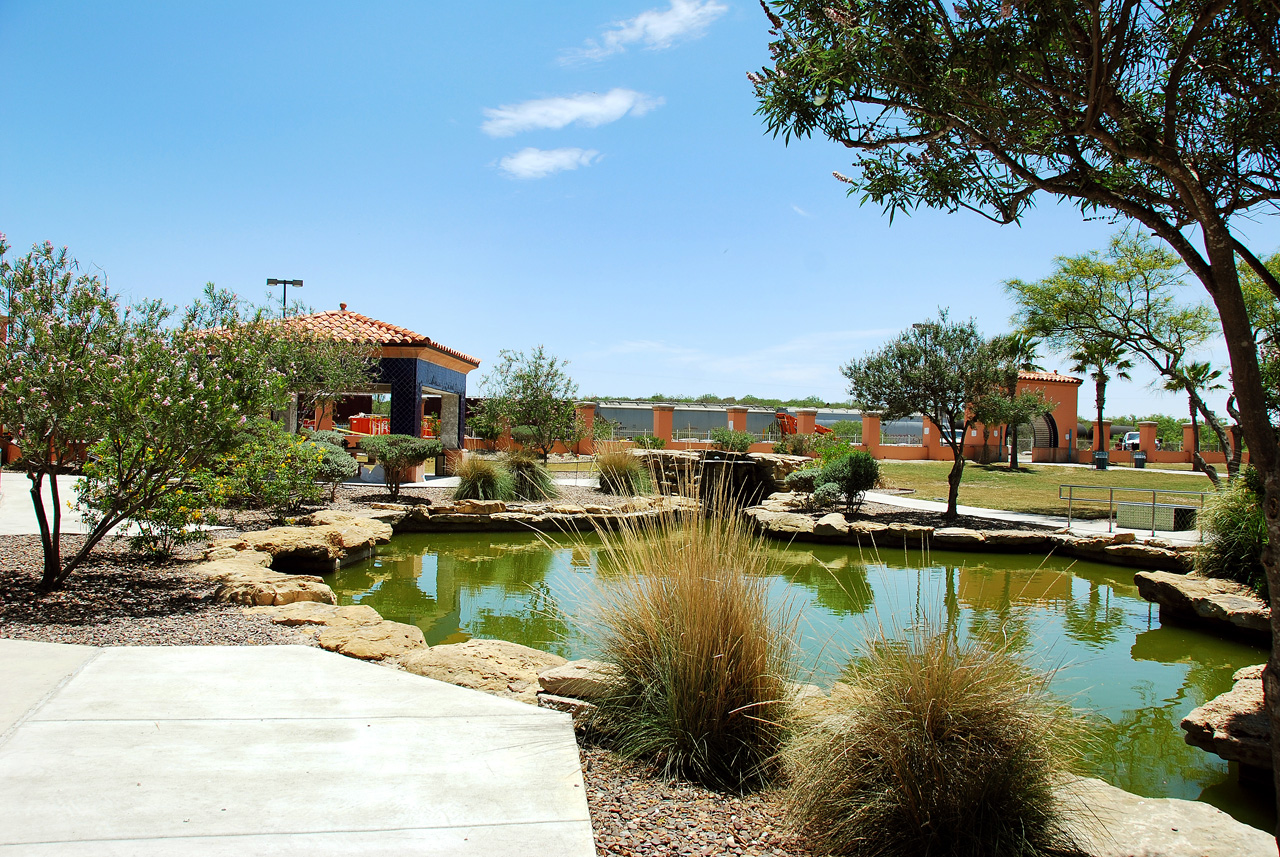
587, 416
1147, 436
871, 434
450, 421
663, 415
931, 439
324, 417
1101, 436
1188, 440
806, 420
737, 417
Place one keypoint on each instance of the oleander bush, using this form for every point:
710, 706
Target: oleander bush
648, 441
1235, 533
529, 476
622, 473
704, 660
730, 440
483, 479
932, 746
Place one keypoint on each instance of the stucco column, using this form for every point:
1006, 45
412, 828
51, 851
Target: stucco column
324, 417
587, 414
663, 415
450, 420
737, 417
871, 434
1101, 436
1188, 440
931, 439
1147, 436
806, 419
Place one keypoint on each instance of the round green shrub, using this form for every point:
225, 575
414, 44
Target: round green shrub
730, 440
1235, 532
855, 474
803, 480
648, 441
336, 438
398, 453
826, 496
336, 465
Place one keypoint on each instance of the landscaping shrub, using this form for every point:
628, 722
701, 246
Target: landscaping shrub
803, 480
622, 473
530, 478
854, 474
932, 747
826, 496
704, 662
794, 444
847, 429
270, 469
730, 440
483, 479
336, 438
829, 447
398, 454
336, 464
1235, 533
648, 441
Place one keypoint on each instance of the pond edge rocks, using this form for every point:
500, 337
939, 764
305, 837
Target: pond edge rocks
1234, 725
1221, 607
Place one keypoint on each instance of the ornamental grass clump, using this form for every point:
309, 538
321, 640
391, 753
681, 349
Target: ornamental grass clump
622, 473
704, 661
530, 479
483, 479
932, 747
1235, 532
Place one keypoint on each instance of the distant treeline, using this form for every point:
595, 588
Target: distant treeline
710, 399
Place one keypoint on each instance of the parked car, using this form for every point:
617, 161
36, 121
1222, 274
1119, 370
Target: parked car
1130, 440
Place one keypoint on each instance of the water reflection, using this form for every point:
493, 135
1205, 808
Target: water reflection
1133, 679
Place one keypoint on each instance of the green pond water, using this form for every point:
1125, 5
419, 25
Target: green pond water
1114, 661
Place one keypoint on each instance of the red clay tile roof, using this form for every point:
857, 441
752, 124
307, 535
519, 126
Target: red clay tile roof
1048, 376
354, 327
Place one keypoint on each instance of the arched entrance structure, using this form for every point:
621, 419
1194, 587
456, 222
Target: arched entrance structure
1052, 444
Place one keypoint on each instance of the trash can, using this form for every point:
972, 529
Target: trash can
1139, 459
1100, 459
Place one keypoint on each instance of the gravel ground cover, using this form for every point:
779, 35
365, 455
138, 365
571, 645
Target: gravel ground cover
635, 814
118, 599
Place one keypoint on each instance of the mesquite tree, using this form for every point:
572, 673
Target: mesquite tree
1161, 112
533, 395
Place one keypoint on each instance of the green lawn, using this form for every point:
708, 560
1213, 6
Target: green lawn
1034, 488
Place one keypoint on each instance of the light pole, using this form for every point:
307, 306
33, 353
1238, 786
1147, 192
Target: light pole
284, 292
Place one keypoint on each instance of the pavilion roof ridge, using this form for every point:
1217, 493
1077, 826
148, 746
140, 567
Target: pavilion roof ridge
354, 327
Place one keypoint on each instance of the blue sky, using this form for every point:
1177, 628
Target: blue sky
585, 175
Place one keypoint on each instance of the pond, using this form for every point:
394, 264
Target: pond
1135, 679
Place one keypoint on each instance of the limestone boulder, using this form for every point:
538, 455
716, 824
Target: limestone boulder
493, 666
261, 559
1214, 605
832, 526
479, 507
958, 537
1234, 725
1111, 822
781, 524
1027, 540
581, 679
374, 642
334, 539
1148, 556
247, 583
353, 530
871, 529
910, 532
778, 466
579, 709
568, 509
320, 614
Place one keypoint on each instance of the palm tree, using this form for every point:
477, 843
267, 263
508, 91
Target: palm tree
1100, 358
1194, 378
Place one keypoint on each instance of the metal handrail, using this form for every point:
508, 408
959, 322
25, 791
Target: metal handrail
1111, 501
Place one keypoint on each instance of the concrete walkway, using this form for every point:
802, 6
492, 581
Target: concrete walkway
18, 515
280, 750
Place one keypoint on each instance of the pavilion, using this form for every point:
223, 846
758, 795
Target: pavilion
410, 367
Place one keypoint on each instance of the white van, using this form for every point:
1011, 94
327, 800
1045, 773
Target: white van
1131, 440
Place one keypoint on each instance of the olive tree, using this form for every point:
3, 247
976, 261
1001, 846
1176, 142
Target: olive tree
935, 368
1159, 112
533, 395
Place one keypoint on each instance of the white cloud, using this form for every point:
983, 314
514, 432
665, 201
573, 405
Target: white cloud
655, 29
800, 211
534, 163
586, 108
